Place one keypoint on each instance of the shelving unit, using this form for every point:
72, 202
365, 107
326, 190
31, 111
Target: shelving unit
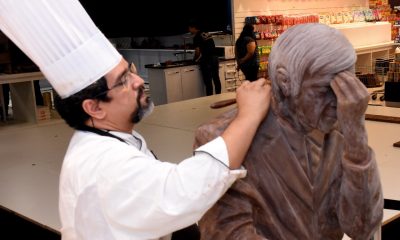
22, 95
398, 35
367, 55
229, 76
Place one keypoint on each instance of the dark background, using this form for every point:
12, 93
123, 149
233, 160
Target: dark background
149, 18
394, 3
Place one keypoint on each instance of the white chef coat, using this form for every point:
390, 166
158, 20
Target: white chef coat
115, 190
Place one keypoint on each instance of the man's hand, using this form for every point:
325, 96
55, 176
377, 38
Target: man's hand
253, 98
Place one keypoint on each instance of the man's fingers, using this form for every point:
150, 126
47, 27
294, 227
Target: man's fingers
260, 81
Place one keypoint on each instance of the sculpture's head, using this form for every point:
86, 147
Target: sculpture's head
302, 64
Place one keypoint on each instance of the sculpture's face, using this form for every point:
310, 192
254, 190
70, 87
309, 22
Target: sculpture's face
316, 103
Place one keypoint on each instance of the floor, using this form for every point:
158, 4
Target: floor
391, 231
16, 227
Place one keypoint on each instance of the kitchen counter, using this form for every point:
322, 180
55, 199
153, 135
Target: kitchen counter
166, 65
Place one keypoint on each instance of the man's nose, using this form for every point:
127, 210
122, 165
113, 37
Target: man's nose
137, 82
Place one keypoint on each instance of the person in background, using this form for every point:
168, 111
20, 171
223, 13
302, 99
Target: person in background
246, 53
311, 173
111, 185
204, 54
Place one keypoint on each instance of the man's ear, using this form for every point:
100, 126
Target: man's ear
92, 108
283, 80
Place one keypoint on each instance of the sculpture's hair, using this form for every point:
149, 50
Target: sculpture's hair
308, 49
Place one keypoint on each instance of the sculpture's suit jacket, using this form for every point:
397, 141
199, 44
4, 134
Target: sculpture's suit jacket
321, 196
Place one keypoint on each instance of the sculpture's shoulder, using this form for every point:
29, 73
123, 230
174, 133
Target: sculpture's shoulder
213, 128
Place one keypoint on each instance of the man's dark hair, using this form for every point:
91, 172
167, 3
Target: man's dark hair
194, 23
70, 108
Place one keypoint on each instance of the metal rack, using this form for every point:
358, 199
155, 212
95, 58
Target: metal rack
376, 74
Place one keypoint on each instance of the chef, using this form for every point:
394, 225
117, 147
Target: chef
111, 185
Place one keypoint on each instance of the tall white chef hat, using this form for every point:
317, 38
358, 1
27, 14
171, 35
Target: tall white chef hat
61, 38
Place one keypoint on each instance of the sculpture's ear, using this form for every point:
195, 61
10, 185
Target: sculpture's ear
283, 80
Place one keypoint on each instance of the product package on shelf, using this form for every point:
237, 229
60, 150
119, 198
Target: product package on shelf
264, 53
368, 15
43, 113
394, 19
270, 27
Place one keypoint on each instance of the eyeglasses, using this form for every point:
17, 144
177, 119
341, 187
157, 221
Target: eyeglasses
125, 80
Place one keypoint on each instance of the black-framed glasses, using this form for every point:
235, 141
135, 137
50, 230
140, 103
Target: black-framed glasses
124, 81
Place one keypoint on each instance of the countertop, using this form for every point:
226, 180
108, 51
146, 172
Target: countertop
179, 63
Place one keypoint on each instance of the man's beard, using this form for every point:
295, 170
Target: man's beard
142, 111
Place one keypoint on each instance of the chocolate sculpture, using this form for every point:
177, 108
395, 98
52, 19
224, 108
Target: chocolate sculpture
311, 173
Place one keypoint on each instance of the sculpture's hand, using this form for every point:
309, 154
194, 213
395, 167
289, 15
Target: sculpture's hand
352, 101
